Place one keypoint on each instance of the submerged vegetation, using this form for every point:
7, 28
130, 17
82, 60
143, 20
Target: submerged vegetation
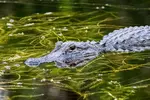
113, 76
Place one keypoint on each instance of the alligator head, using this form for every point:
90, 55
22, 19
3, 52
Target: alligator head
68, 54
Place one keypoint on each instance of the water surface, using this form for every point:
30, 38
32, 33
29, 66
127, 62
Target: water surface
31, 29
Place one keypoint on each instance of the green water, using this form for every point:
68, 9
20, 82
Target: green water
31, 29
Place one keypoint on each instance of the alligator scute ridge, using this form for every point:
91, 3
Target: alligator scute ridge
73, 54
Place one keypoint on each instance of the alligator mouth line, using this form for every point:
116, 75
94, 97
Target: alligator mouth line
78, 63
90, 54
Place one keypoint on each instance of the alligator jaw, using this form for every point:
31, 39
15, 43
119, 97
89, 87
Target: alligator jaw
33, 62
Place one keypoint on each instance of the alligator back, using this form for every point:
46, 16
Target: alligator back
131, 39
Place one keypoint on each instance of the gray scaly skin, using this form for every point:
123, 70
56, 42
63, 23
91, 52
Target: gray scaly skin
67, 54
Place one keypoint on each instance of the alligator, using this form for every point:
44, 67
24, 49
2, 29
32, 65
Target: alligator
73, 54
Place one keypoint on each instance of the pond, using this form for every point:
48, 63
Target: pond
30, 28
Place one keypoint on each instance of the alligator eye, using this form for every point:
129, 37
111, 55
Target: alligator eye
72, 47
